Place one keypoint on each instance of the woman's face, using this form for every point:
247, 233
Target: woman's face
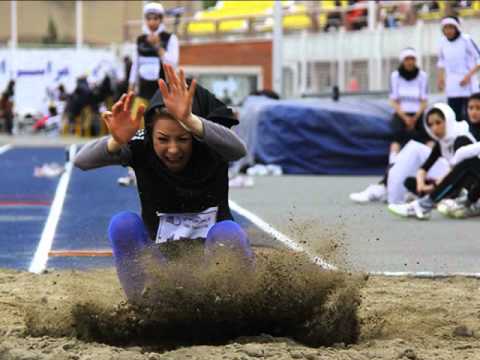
474, 111
153, 21
449, 31
172, 144
409, 63
437, 125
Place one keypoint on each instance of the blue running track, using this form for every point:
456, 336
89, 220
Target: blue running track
92, 198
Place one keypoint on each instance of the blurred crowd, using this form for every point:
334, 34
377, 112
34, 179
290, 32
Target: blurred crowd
76, 113
353, 14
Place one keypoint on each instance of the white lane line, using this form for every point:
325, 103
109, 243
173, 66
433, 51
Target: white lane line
5, 148
40, 259
424, 274
295, 246
267, 228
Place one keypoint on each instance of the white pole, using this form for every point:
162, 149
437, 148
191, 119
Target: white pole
277, 47
13, 38
341, 59
372, 14
304, 66
79, 24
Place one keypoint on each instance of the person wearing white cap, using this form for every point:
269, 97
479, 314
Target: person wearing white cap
458, 63
154, 47
408, 97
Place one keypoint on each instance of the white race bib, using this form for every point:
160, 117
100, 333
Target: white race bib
172, 227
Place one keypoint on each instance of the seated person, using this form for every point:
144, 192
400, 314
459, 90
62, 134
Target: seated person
465, 174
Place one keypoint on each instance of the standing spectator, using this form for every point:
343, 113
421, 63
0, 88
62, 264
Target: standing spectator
122, 86
458, 63
6, 112
356, 17
334, 18
61, 100
10, 91
154, 47
391, 20
6, 107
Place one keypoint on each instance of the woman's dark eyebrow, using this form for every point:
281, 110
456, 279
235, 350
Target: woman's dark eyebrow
161, 133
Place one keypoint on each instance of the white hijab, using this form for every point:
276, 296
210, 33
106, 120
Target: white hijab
453, 130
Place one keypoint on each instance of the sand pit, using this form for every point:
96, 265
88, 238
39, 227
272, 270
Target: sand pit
80, 315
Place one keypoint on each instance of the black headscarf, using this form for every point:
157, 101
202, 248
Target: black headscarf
408, 75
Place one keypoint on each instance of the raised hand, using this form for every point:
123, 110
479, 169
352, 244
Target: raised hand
120, 122
177, 96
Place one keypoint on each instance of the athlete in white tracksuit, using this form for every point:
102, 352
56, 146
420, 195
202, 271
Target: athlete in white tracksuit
458, 64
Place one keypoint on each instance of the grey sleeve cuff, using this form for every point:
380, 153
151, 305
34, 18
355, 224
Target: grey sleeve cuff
95, 154
223, 140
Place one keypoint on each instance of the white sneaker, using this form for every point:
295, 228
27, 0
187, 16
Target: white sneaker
463, 211
129, 180
373, 193
50, 170
446, 206
412, 209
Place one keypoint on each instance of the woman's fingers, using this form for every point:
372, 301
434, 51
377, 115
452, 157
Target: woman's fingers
118, 106
173, 77
183, 83
165, 72
163, 88
139, 116
191, 90
128, 102
107, 117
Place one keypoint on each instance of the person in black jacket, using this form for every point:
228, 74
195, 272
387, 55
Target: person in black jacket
181, 163
155, 47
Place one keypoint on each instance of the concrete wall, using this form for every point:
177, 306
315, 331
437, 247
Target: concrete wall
104, 21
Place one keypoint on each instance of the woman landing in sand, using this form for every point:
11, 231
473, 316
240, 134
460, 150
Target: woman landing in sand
181, 163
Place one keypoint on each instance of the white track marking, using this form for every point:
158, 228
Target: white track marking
424, 274
5, 148
292, 244
40, 259
267, 228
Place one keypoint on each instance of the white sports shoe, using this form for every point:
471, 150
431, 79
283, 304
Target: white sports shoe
463, 211
373, 193
129, 180
412, 209
445, 206
449, 206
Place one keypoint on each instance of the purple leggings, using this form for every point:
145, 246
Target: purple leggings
128, 236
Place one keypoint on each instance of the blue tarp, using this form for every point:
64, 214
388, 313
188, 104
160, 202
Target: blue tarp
350, 137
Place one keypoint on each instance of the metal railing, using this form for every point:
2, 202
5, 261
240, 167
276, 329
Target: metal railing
319, 18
